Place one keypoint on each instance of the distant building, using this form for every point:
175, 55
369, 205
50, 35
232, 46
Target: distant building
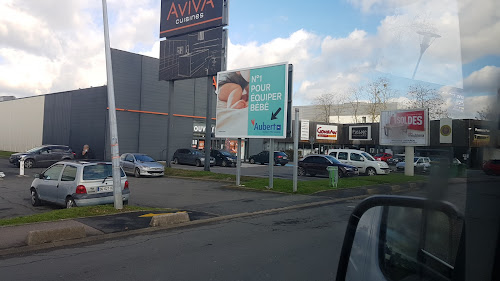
6, 98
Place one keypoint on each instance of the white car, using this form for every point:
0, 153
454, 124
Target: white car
363, 161
77, 183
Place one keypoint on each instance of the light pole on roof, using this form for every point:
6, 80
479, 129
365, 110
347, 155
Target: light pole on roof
427, 39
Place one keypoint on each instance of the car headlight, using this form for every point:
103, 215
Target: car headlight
229, 158
202, 159
379, 163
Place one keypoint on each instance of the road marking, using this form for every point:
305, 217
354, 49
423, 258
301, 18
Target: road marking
153, 215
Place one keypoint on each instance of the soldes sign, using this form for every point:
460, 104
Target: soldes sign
186, 16
414, 120
404, 127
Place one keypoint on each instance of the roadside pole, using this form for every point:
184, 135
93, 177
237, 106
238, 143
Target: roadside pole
208, 125
171, 90
238, 163
113, 132
21, 166
296, 133
271, 163
409, 155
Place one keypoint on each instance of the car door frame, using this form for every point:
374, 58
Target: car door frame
361, 165
47, 189
66, 188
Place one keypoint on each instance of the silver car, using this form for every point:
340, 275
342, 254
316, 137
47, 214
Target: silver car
141, 165
77, 183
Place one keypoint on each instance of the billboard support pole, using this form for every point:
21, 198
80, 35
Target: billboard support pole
113, 131
296, 133
271, 163
409, 155
169, 122
238, 163
208, 125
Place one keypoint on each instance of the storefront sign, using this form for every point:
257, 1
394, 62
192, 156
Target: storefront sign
201, 128
252, 102
304, 130
404, 127
445, 130
481, 137
360, 133
326, 132
186, 16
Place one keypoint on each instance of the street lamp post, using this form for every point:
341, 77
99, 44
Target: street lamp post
427, 39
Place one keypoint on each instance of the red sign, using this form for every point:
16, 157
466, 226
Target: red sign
413, 119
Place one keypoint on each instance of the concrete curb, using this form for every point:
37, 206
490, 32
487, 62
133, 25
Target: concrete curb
37, 237
169, 219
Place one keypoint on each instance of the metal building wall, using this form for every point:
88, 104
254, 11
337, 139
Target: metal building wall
21, 123
57, 118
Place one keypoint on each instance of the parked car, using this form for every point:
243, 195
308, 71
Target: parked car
317, 164
223, 158
492, 167
280, 158
421, 164
140, 164
363, 161
190, 156
395, 160
43, 156
383, 156
77, 183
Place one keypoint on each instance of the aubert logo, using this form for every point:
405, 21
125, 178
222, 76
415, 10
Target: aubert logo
265, 127
253, 122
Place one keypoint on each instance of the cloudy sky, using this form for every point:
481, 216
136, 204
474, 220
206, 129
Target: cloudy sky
57, 45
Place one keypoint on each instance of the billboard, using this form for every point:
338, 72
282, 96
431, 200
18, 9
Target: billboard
445, 130
252, 102
187, 16
326, 132
360, 133
198, 54
304, 130
404, 127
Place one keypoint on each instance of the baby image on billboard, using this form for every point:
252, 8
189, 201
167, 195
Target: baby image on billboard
404, 127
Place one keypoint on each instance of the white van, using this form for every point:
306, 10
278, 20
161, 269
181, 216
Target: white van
362, 160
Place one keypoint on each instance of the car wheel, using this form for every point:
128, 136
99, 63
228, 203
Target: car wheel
35, 200
370, 171
137, 173
283, 164
301, 172
29, 163
125, 203
252, 161
341, 173
224, 163
198, 163
176, 161
70, 203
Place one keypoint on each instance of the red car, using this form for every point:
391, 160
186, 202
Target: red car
492, 167
383, 156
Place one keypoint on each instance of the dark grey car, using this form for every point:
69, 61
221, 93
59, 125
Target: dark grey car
43, 156
191, 157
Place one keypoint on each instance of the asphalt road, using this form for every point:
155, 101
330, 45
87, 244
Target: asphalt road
302, 244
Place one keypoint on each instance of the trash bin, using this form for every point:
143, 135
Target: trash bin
333, 174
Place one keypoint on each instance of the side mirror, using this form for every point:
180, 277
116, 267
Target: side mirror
38, 176
402, 238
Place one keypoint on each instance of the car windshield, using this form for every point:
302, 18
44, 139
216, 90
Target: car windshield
279, 153
379, 155
144, 158
34, 149
225, 153
368, 156
98, 171
332, 159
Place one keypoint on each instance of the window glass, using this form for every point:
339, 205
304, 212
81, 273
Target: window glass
144, 158
308, 160
69, 173
334, 154
332, 159
356, 157
367, 156
53, 173
342, 156
129, 158
99, 171
44, 151
123, 157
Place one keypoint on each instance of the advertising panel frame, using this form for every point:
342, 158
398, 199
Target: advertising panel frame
283, 110
368, 134
333, 138
395, 123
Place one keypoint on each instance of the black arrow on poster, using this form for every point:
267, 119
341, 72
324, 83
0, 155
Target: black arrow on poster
273, 115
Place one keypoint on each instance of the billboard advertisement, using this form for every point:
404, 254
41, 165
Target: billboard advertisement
252, 102
187, 16
360, 133
197, 54
445, 130
304, 130
404, 127
326, 132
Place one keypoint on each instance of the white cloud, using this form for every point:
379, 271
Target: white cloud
485, 80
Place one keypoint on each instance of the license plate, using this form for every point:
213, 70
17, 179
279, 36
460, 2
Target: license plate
104, 188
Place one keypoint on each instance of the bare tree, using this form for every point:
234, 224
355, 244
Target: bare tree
379, 93
324, 102
422, 96
486, 113
354, 98
338, 108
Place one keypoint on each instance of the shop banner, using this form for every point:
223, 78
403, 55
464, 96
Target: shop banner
326, 132
252, 102
304, 130
360, 133
404, 127
445, 130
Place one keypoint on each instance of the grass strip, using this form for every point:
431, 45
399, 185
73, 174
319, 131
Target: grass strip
79, 212
5, 154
